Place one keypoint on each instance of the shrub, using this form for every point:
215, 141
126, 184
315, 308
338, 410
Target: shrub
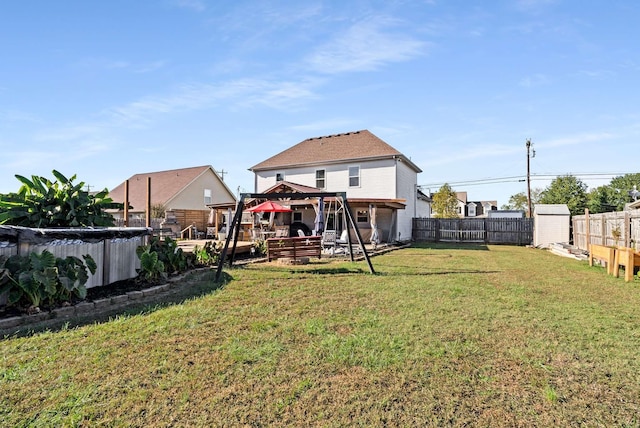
168, 256
208, 255
42, 278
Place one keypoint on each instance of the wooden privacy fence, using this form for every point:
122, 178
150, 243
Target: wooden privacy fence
515, 231
620, 228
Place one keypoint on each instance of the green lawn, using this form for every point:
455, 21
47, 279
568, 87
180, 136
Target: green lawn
441, 336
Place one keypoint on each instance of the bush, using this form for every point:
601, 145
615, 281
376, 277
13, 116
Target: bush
42, 278
208, 255
168, 258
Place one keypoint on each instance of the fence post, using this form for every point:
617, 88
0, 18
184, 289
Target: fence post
627, 229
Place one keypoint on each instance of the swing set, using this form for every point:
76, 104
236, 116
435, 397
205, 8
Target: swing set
234, 227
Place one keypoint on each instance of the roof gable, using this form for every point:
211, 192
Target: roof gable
350, 146
165, 185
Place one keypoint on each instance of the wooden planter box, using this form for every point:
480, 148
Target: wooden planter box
604, 254
630, 259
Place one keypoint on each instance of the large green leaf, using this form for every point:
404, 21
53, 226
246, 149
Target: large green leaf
42, 261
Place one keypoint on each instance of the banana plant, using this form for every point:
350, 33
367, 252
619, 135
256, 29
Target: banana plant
41, 202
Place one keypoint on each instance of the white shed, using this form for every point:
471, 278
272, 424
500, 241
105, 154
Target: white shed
551, 224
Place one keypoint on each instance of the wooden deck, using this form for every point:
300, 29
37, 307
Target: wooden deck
188, 245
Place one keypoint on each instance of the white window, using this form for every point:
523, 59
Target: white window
354, 176
472, 210
320, 178
279, 176
362, 216
207, 196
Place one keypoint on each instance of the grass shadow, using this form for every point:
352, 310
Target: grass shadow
450, 246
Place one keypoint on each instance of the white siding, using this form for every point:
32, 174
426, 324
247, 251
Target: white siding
377, 179
407, 181
551, 224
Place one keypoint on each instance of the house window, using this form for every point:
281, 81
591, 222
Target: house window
362, 216
354, 176
207, 196
320, 179
279, 176
297, 216
472, 210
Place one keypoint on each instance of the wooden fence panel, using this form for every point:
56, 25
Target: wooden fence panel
621, 228
517, 231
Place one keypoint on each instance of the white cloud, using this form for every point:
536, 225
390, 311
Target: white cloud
366, 46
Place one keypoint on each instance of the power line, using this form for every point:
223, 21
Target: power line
522, 178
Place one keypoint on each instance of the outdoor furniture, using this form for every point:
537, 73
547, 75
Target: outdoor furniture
294, 248
211, 232
301, 233
282, 231
329, 240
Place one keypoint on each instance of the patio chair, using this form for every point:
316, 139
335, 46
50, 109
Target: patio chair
329, 241
282, 231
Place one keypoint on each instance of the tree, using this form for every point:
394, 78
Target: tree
622, 186
519, 200
157, 211
445, 203
41, 202
569, 190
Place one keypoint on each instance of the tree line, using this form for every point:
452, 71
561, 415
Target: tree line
566, 189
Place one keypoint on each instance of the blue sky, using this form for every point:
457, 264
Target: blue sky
107, 89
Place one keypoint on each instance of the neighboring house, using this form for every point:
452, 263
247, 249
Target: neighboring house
423, 208
473, 209
370, 171
185, 191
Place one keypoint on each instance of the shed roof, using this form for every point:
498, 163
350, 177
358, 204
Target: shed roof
551, 209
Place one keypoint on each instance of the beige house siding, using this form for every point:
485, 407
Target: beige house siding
192, 196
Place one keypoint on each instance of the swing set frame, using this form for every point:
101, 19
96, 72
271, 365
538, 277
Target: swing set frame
234, 227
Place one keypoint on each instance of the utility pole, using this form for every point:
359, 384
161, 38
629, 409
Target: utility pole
221, 173
530, 154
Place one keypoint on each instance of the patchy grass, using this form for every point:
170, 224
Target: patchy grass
482, 336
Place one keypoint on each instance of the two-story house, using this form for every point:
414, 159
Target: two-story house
370, 171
